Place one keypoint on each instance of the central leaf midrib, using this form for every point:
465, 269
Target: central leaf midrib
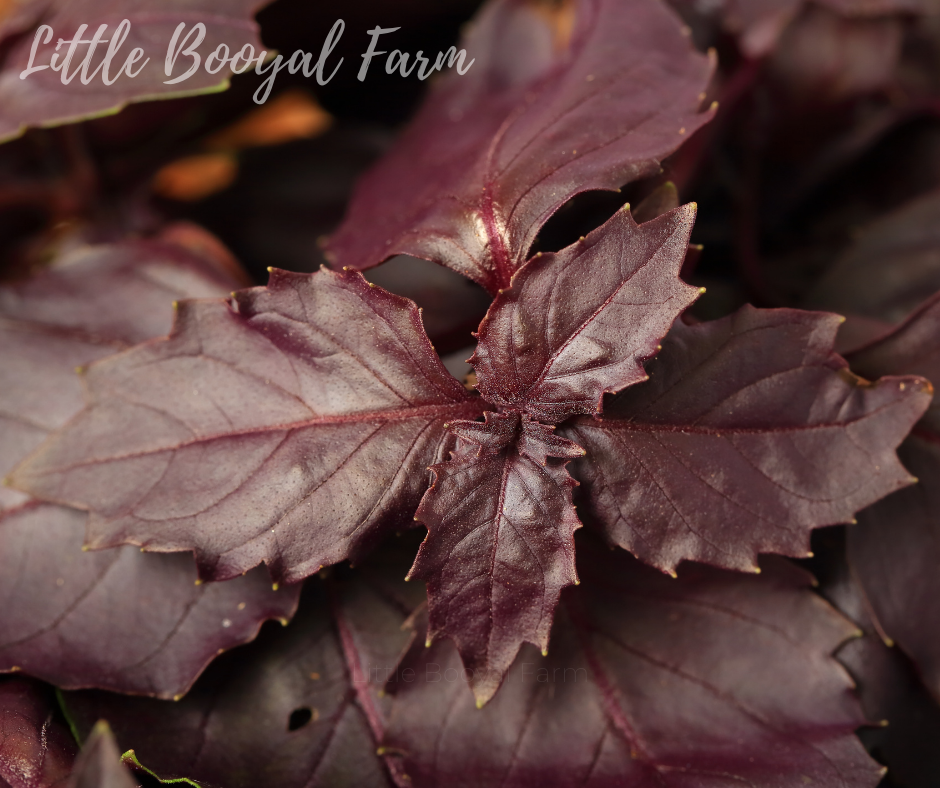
426, 412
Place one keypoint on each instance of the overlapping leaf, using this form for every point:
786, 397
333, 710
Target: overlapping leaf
92, 303
500, 543
579, 324
911, 349
895, 550
500, 518
825, 57
890, 267
36, 749
709, 680
116, 619
66, 614
750, 433
294, 427
562, 98
42, 100
714, 679
298, 708
905, 718
896, 557
759, 24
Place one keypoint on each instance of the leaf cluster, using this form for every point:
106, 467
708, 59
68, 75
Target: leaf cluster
508, 481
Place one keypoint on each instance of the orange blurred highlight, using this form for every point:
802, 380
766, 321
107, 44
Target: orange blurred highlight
560, 15
196, 177
294, 115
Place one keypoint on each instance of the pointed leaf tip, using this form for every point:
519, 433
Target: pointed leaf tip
687, 439
554, 363
513, 158
626, 655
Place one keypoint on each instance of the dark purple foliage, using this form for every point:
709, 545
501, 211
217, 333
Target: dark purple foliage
627, 691
632, 691
302, 706
329, 360
563, 98
320, 401
42, 100
895, 550
70, 614
211, 535
319, 406
73, 615
552, 345
36, 749
749, 433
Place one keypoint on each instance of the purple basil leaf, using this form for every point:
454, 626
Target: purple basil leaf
67, 614
759, 24
891, 266
89, 304
580, 324
39, 390
42, 100
116, 294
292, 427
874, 8
913, 348
36, 750
500, 543
826, 57
99, 764
750, 433
562, 99
905, 718
895, 550
298, 708
714, 679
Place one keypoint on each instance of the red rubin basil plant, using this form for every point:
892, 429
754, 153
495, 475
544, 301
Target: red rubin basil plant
321, 532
